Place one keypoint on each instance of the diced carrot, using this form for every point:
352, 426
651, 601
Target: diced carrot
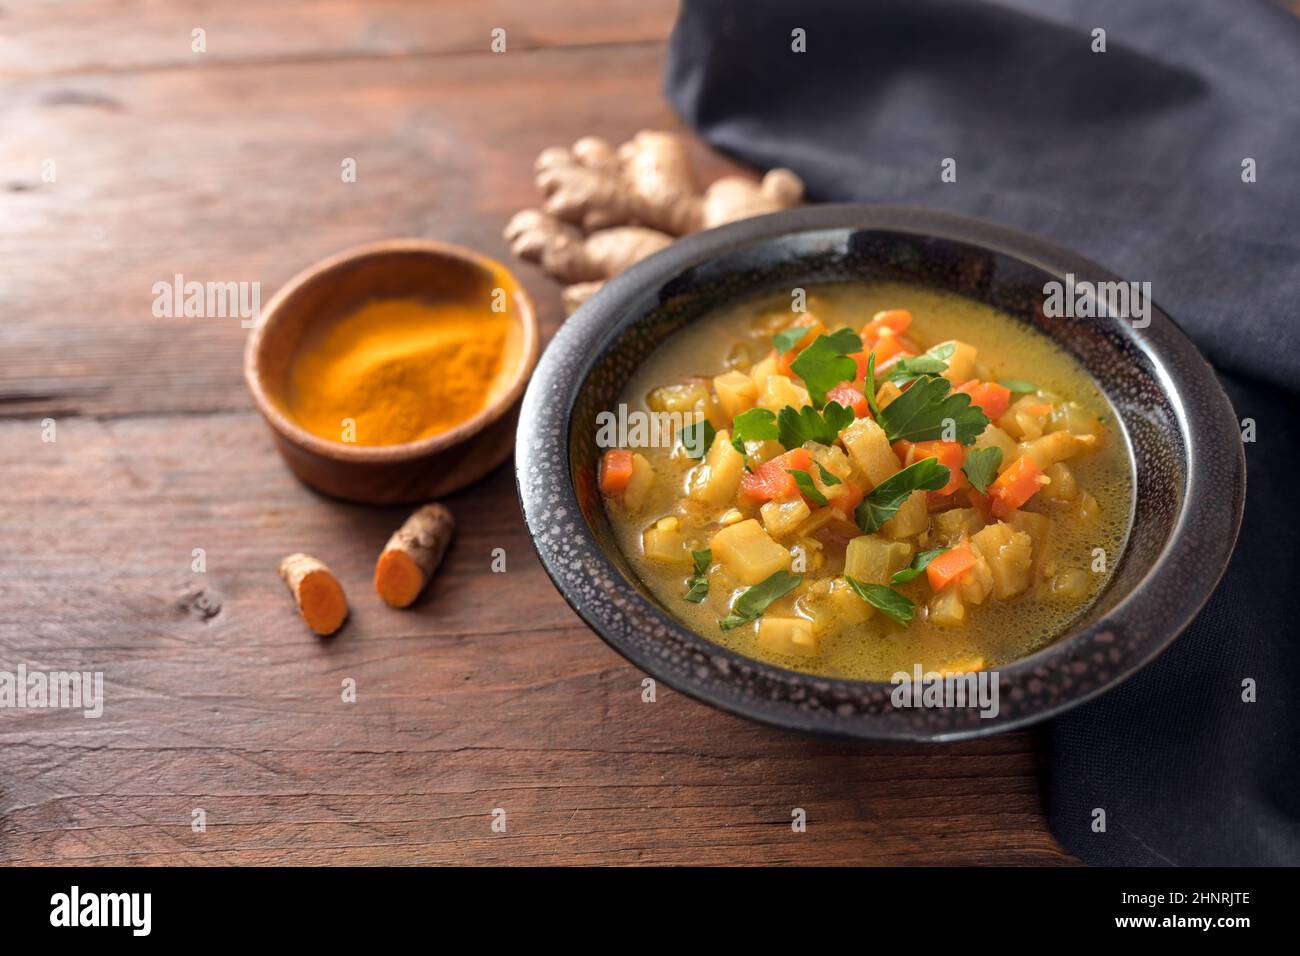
979, 501
615, 471
945, 568
992, 398
848, 396
815, 328
847, 499
886, 347
772, 481
949, 453
902, 450
1038, 408
895, 320
1015, 486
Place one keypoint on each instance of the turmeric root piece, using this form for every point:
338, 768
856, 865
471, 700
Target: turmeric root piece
316, 591
413, 554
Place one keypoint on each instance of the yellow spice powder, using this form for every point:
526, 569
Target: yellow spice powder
401, 369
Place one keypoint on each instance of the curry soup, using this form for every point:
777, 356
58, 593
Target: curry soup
958, 519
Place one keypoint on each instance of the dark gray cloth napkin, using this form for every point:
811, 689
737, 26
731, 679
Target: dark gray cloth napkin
1135, 158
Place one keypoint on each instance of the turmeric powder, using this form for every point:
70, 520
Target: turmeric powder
398, 370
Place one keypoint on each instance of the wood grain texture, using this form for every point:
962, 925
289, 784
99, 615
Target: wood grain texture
489, 692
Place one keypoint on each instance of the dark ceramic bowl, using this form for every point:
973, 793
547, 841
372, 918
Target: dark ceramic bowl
1190, 469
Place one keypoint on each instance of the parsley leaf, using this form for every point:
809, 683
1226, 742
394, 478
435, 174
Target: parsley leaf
883, 501
869, 386
699, 583
757, 424
933, 362
827, 478
920, 562
805, 483
751, 605
982, 467
787, 339
1018, 386
923, 412
794, 427
889, 601
698, 438
826, 363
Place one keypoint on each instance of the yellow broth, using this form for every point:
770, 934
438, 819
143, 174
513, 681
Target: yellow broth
995, 632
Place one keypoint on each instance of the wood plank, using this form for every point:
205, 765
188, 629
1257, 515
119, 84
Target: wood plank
234, 175
488, 693
84, 36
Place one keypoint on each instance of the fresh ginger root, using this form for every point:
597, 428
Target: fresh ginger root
316, 591
605, 209
413, 554
565, 254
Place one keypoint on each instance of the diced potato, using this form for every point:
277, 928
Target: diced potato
977, 583
872, 560
1022, 421
961, 364
869, 449
759, 452
780, 392
886, 393
850, 608
1074, 418
748, 553
1056, 446
665, 543
1009, 554
948, 526
820, 518
683, 399
730, 516
1086, 509
946, 608
1071, 583
1063, 486
780, 518
831, 458
736, 393
639, 485
913, 517
994, 437
788, 635
716, 479
1035, 525
762, 371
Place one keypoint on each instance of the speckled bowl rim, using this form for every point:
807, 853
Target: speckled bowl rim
1047, 682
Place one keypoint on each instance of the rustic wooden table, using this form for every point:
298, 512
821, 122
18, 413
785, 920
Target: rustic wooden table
224, 165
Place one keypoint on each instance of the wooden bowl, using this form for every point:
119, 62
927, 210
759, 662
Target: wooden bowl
334, 287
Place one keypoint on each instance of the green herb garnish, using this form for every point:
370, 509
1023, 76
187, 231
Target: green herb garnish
787, 339
920, 562
982, 467
886, 599
753, 602
869, 386
698, 438
933, 362
698, 588
883, 501
805, 483
927, 411
757, 424
826, 363
796, 426
827, 478
1018, 386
